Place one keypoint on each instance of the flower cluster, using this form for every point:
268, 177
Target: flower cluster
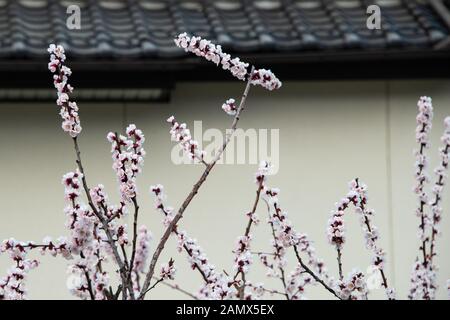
423, 276
168, 270
142, 249
12, 286
279, 219
305, 246
217, 285
182, 135
336, 230
423, 279
80, 220
358, 197
196, 256
243, 257
230, 107
266, 79
69, 109
284, 237
441, 177
424, 124
88, 241
354, 286
211, 52
371, 233
297, 282
128, 157
160, 197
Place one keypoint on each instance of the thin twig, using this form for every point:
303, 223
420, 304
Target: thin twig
263, 253
193, 192
88, 280
246, 234
154, 285
339, 259
308, 270
369, 228
135, 221
185, 247
176, 287
282, 277
89, 285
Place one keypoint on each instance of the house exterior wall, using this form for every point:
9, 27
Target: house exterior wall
329, 133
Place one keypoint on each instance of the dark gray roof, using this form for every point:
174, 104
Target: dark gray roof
146, 28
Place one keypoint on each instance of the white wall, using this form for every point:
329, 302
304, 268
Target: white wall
330, 132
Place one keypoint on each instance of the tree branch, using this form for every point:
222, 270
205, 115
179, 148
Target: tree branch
246, 233
308, 270
194, 191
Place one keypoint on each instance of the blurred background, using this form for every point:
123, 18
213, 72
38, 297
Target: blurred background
346, 109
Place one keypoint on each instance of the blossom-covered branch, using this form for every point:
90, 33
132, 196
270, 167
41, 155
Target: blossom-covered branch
358, 197
423, 276
286, 236
243, 255
211, 52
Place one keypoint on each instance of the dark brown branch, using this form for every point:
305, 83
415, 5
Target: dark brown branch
369, 228
154, 285
133, 252
276, 254
185, 247
246, 234
88, 280
176, 287
434, 230
339, 259
193, 192
308, 270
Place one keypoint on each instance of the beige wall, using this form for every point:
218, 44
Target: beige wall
329, 134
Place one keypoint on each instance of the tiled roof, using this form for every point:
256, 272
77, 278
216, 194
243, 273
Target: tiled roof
145, 28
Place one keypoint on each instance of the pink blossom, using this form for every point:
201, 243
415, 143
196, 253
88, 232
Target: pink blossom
423, 129
142, 249
182, 135
266, 79
354, 286
168, 270
243, 257
211, 52
296, 283
128, 158
230, 107
69, 109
